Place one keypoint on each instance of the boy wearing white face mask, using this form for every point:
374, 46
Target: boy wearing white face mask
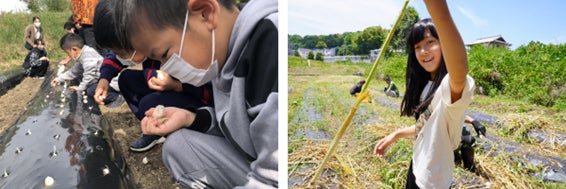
234, 144
142, 89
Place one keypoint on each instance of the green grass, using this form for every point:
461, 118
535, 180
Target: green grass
301, 66
534, 73
12, 26
298, 66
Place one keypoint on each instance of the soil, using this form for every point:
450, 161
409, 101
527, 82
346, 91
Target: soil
126, 129
15, 101
123, 123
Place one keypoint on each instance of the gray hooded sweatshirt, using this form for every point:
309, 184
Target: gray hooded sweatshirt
245, 93
87, 65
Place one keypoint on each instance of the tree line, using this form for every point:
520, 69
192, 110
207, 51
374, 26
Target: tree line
359, 42
47, 5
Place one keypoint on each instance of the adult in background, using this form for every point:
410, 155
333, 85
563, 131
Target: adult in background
33, 32
83, 16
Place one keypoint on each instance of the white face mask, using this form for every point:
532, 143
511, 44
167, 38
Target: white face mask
185, 72
37, 24
130, 61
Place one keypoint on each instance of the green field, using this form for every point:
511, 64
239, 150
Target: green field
12, 26
319, 101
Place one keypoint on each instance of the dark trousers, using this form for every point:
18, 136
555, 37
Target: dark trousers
465, 152
411, 183
141, 98
87, 33
111, 95
39, 71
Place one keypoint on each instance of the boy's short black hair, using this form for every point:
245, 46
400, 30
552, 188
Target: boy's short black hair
69, 25
104, 27
159, 14
71, 40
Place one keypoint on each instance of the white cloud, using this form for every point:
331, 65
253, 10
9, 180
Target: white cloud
314, 17
557, 40
478, 22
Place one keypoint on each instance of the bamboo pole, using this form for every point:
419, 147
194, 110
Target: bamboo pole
362, 95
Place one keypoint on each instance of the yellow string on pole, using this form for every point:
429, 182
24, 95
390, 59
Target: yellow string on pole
363, 94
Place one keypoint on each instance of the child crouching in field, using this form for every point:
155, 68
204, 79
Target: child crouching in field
438, 92
142, 89
36, 63
87, 63
234, 143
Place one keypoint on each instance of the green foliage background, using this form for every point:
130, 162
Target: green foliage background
47, 5
359, 42
534, 73
319, 57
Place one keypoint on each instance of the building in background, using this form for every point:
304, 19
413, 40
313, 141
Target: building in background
491, 42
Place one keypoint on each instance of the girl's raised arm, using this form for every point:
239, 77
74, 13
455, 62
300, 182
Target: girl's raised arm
452, 45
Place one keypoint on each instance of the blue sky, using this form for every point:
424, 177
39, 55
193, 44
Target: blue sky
519, 22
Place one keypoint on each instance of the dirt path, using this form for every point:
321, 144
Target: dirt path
14, 102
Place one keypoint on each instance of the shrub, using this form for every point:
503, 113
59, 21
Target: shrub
319, 57
310, 55
534, 72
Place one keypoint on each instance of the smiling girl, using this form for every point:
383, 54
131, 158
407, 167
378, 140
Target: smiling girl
438, 94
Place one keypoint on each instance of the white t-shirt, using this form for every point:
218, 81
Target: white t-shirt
37, 34
433, 158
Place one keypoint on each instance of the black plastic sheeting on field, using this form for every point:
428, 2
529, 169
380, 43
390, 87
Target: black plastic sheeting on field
62, 137
10, 79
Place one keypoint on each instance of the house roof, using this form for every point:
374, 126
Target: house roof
492, 39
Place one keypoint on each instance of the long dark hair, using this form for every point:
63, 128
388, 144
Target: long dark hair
416, 76
35, 17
